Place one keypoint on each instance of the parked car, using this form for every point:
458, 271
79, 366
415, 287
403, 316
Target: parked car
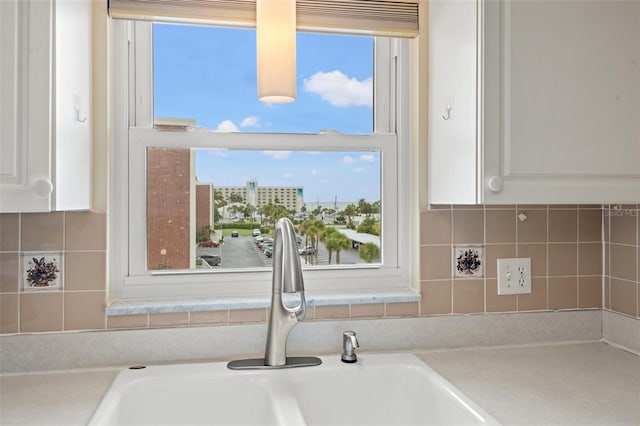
266, 246
211, 259
202, 264
268, 251
209, 244
256, 232
266, 240
234, 234
306, 251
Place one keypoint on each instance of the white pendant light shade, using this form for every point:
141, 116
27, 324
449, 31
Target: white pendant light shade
276, 50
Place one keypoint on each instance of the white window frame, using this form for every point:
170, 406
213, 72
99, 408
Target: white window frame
133, 132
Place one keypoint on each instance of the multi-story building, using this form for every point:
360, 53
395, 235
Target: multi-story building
290, 197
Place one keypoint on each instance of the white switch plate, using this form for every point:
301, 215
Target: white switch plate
514, 276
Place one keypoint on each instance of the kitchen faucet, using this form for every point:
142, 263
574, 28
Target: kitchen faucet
286, 311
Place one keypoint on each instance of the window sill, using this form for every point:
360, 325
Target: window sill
156, 306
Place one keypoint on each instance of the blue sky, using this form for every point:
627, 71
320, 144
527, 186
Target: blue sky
209, 74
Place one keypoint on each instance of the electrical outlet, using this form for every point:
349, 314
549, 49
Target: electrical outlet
514, 276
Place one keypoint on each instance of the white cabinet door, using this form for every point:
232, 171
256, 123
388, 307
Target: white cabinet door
45, 87
569, 120
557, 104
25, 105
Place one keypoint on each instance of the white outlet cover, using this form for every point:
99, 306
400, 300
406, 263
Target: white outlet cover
514, 276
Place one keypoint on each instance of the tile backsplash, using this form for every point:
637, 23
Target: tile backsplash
564, 244
622, 259
81, 236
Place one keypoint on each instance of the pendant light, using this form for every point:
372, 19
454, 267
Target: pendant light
276, 50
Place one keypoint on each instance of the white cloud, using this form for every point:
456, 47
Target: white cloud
340, 90
346, 160
324, 180
314, 172
359, 169
250, 122
277, 155
367, 157
227, 126
287, 175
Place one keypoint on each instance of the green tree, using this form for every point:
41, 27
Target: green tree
279, 212
364, 207
338, 241
267, 211
235, 198
218, 203
237, 209
328, 212
350, 211
248, 211
316, 212
368, 252
312, 229
325, 237
369, 226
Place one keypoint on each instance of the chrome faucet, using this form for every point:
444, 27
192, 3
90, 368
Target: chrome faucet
286, 310
286, 278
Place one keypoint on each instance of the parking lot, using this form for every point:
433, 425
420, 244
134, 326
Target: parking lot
242, 252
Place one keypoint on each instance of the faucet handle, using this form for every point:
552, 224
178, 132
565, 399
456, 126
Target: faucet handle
349, 345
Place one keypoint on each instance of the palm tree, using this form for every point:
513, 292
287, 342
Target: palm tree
267, 211
349, 211
342, 242
368, 252
218, 202
248, 212
235, 198
279, 212
326, 237
329, 212
313, 228
364, 207
316, 212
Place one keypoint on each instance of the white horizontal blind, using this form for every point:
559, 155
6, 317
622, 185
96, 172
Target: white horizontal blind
388, 18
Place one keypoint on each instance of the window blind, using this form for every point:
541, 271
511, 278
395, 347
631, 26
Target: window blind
390, 18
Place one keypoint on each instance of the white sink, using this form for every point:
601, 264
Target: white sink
380, 389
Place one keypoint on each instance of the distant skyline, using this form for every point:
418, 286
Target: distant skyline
209, 74
323, 175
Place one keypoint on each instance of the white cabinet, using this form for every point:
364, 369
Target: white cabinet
534, 101
45, 100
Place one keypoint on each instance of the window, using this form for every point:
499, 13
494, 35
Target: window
169, 139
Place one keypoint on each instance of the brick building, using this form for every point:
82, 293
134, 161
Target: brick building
204, 208
171, 207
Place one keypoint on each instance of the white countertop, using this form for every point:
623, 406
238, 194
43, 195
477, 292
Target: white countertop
570, 384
